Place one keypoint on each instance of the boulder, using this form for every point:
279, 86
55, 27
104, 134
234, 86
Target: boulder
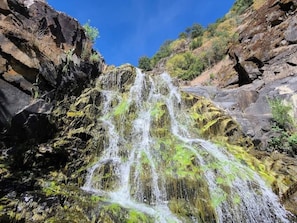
32, 123
12, 100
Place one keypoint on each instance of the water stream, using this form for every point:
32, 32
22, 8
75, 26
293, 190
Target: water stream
155, 163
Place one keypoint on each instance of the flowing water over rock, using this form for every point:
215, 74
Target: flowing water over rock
154, 162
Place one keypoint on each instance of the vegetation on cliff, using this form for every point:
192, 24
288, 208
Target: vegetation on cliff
197, 48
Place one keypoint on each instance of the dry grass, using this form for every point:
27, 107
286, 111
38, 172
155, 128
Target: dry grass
258, 4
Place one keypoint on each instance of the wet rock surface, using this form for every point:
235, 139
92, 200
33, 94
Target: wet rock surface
265, 65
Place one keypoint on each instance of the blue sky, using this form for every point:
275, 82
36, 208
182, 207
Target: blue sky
133, 28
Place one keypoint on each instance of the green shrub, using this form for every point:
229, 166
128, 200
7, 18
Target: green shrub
197, 42
178, 45
212, 76
211, 30
145, 63
281, 113
285, 136
185, 66
293, 142
94, 57
283, 141
192, 32
91, 32
183, 35
163, 52
196, 30
240, 6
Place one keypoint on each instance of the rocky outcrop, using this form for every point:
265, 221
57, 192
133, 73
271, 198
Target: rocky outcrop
41, 56
267, 43
44, 65
264, 61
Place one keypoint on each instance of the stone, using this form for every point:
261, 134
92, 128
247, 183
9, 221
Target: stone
32, 122
291, 32
12, 100
4, 6
266, 42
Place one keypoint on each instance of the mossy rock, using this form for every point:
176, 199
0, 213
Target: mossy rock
216, 124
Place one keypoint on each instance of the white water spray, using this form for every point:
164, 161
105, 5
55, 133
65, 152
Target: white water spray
132, 148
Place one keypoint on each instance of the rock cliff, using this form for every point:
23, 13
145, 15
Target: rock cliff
259, 68
44, 60
40, 57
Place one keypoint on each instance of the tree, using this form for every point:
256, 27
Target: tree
183, 35
145, 63
193, 31
163, 52
196, 30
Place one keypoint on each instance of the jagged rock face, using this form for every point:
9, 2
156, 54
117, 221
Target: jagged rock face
43, 64
40, 52
265, 61
267, 47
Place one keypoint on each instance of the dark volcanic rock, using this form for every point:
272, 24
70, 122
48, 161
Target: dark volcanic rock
44, 64
40, 57
32, 123
11, 101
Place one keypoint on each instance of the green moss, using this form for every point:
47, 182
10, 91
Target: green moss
135, 217
242, 155
51, 188
180, 207
236, 199
158, 110
121, 108
218, 197
75, 114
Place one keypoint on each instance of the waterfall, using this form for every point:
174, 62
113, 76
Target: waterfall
154, 161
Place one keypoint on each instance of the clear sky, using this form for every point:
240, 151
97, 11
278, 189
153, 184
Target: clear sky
130, 29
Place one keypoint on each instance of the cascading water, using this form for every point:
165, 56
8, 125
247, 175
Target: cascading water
154, 162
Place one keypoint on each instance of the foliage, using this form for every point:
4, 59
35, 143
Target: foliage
196, 30
94, 57
212, 76
185, 66
240, 6
178, 45
211, 29
284, 138
144, 63
192, 32
293, 142
197, 42
91, 32
163, 52
68, 60
283, 141
219, 47
121, 108
280, 113
182, 35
